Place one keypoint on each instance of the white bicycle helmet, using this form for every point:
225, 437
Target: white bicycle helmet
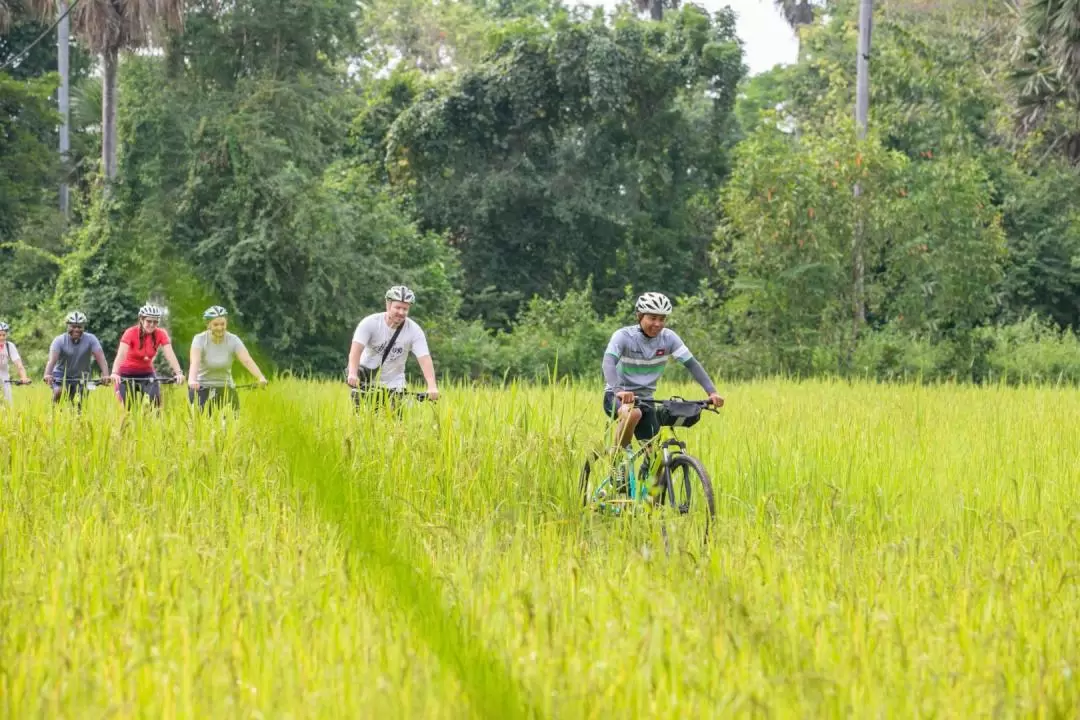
4, 327
215, 311
653, 303
76, 318
400, 293
150, 311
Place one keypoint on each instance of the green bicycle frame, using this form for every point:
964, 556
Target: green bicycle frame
639, 487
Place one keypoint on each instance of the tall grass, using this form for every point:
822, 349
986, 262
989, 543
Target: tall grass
879, 551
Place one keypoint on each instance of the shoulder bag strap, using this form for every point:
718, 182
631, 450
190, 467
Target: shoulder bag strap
390, 344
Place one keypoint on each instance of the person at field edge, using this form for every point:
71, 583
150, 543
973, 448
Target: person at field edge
210, 370
634, 362
134, 363
68, 367
9, 355
370, 344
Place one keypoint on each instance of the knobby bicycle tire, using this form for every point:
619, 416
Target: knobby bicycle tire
585, 475
693, 468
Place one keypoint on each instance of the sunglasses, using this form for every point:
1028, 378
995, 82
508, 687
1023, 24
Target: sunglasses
149, 321
75, 327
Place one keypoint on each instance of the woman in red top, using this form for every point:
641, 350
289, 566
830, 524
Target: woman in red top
133, 368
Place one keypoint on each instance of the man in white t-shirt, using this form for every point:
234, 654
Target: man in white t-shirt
381, 363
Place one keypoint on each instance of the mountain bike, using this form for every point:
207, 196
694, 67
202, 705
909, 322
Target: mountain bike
212, 399
380, 398
148, 387
75, 388
669, 477
10, 383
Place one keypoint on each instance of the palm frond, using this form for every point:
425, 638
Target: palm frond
124, 24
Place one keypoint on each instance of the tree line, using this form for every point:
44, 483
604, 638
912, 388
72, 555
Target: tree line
527, 167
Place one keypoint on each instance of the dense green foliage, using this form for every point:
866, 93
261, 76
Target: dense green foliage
528, 168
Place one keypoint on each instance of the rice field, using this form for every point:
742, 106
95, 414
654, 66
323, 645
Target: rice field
878, 551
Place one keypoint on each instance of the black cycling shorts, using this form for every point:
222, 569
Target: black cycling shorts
212, 399
649, 425
128, 390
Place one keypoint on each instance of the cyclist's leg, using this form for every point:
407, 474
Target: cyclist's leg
646, 430
198, 397
219, 397
128, 391
153, 391
233, 398
123, 389
74, 391
57, 391
628, 415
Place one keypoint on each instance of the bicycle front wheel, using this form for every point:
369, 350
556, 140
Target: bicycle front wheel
688, 490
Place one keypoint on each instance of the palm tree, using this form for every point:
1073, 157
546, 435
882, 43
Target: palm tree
1047, 71
797, 13
655, 7
107, 27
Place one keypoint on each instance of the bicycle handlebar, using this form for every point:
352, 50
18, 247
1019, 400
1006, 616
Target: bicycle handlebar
17, 382
103, 380
652, 402
155, 379
419, 397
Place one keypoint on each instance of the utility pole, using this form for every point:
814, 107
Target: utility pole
63, 35
862, 115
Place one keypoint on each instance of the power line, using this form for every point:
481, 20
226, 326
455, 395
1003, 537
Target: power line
14, 59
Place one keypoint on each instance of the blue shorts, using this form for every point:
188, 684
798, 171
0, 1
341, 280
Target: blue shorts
649, 425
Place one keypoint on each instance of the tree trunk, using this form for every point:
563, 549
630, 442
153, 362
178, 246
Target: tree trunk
656, 9
110, 59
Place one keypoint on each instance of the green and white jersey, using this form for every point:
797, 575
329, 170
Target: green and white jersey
641, 359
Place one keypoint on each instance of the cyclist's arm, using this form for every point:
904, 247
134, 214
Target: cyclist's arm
17, 360
174, 363
252, 367
355, 351
121, 355
611, 373
54, 357
194, 359
103, 364
428, 368
697, 370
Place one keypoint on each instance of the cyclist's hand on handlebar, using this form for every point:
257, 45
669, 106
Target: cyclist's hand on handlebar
716, 400
353, 381
625, 397
193, 384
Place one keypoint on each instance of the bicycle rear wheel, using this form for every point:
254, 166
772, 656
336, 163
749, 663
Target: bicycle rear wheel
688, 490
599, 485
